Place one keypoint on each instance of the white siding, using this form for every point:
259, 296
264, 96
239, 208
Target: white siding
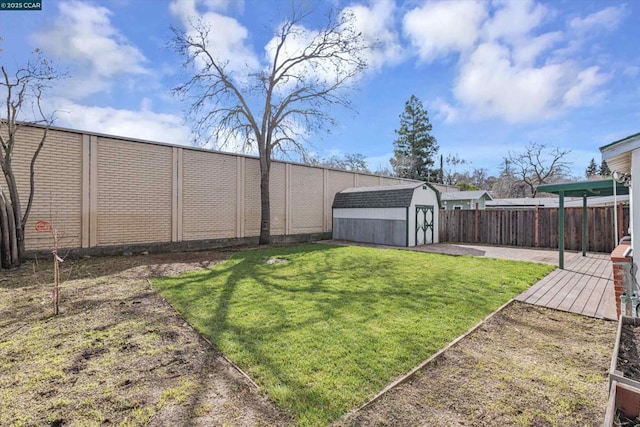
371, 213
634, 202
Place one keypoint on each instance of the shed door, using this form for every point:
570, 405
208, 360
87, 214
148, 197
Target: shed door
424, 224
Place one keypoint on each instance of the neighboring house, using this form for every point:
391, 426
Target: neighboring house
475, 199
396, 215
522, 203
445, 188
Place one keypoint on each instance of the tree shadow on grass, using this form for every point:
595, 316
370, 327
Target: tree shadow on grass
322, 302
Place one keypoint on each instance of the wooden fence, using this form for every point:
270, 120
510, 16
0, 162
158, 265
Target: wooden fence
535, 227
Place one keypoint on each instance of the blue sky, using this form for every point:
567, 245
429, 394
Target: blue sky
493, 75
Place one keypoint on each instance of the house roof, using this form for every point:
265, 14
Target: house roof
618, 153
466, 195
524, 202
390, 196
553, 202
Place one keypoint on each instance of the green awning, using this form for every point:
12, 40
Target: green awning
584, 189
599, 188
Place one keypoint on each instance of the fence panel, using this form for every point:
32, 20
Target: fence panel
534, 227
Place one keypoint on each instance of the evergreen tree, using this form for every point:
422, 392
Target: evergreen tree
604, 169
592, 169
415, 148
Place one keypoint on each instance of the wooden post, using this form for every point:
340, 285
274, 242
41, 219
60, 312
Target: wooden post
536, 228
476, 224
56, 273
584, 225
621, 231
561, 231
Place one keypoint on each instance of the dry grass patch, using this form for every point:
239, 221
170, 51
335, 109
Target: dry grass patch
117, 355
527, 366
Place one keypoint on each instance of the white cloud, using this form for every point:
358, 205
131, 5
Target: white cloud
508, 68
586, 84
513, 19
227, 38
84, 36
227, 41
607, 18
445, 112
491, 85
377, 26
530, 49
142, 123
440, 28
186, 9
322, 69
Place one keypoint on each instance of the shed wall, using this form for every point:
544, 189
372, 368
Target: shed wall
382, 226
371, 213
378, 231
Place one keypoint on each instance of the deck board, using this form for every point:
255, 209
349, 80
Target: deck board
584, 287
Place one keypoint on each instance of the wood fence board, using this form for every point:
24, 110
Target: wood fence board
516, 227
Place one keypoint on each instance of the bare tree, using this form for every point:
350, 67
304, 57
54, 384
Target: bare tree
276, 107
451, 172
20, 89
536, 166
352, 162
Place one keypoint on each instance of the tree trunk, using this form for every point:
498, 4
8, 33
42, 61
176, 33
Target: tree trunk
14, 196
20, 249
13, 241
5, 245
265, 205
8, 244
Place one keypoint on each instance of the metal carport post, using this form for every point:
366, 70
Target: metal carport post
584, 189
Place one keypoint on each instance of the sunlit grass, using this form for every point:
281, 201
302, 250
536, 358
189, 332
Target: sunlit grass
323, 328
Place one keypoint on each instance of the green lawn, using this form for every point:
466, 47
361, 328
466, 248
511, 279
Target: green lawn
333, 325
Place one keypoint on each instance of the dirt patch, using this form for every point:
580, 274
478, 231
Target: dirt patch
117, 353
526, 366
275, 260
629, 351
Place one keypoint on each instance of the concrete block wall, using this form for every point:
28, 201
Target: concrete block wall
58, 184
106, 191
134, 192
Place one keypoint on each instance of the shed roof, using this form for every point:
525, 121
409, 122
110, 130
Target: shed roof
466, 195
390, 196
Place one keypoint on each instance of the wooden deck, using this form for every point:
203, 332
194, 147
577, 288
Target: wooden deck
584, 287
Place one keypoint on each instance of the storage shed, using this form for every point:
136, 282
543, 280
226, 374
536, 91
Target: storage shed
396, 215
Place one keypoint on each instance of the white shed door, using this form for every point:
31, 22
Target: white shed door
424, 224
